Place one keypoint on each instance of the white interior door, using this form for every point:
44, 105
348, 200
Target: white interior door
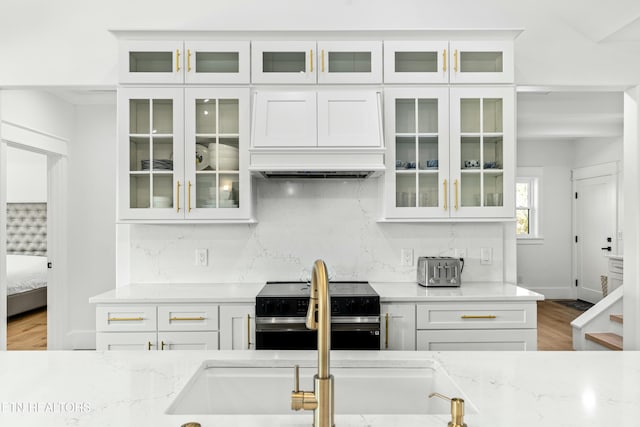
595, 216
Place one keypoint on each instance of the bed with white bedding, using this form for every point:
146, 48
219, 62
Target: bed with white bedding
26, 259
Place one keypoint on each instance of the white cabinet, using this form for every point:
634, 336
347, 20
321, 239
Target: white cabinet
324, 118
182, 154
308, 62
496, 325
175, 62
126, 341
482, 162
451, 153
188, 340
481, 62
416, 62
237, 327
398, 326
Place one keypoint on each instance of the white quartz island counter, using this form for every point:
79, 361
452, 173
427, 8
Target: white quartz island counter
135, 388
468, 291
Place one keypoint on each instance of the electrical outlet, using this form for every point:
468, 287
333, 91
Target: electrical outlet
202, 258
406, 257
486, 256
459, 253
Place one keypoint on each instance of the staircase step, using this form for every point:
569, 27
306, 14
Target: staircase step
616, 317
608, 339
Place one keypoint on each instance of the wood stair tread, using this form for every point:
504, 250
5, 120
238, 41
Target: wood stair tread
616, 318
608, 339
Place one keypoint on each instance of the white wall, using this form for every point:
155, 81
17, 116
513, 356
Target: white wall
26, 176
91, 250
302, 221
37, 110
546, 267
69, 43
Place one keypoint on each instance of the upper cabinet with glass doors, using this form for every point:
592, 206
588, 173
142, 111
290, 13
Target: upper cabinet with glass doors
482, 165
448, 62
179, 62
182, 154
308, 62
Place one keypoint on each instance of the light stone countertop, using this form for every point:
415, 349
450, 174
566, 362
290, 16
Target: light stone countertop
246, 293
527, 389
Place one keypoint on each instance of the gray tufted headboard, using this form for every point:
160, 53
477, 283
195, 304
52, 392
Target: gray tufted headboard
27, 229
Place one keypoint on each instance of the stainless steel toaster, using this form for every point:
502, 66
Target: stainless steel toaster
439, 271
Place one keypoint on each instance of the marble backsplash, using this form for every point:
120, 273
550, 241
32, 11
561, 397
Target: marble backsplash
299, 222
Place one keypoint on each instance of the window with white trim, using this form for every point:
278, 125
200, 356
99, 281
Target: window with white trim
528, 209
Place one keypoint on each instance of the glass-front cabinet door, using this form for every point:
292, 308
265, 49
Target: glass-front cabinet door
481, 62
416, 62
216, 143
217, 62
284, 62
417, 178
350, 62
151, 62
482, 152
150, 153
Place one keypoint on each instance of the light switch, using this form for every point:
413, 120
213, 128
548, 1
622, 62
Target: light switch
202, 258
485, 256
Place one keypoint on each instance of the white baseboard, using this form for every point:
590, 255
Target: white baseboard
552, 292
80, 340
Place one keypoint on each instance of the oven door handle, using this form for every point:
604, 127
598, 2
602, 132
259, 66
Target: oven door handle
355, 327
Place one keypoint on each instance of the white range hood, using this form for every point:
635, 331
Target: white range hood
317, 133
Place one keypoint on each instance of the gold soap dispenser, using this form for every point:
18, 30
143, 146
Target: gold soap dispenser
457, 410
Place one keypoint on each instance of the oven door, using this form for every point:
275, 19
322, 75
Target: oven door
296, 336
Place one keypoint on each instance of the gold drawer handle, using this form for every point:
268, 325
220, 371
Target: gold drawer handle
187, 318
124, 319
489, 316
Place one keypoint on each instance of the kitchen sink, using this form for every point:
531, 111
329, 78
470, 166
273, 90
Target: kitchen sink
372, 387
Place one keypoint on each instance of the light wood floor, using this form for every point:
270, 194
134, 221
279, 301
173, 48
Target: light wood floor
554, 326
29, 331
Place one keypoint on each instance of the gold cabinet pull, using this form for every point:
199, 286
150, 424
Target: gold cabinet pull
148, 345
162, 344
444, 186
455, 189
248, 331
177, 60
468, 316
455, 61
177, 196
311, 60
186, 318
444, 60
322, 60
386, 331
189, 196
124, 319
189, 60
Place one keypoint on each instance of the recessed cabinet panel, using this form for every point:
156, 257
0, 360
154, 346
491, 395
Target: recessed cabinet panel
350, 62
283, 62
151, 62
415, 62
217, 62
349, 119
481, 62
284, 119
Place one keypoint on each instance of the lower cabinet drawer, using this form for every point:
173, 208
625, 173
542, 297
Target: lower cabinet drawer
125, 318
202, 317
471, 340
476, 315
121, 341
188, 341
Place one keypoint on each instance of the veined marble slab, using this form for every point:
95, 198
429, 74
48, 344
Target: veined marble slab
528, 389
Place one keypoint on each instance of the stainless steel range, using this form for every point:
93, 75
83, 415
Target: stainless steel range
281, 309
